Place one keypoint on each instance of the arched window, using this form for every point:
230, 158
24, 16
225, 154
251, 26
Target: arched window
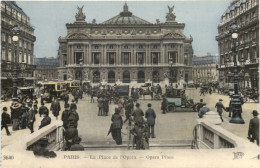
96, 77
141, 77
111, 77
126, 77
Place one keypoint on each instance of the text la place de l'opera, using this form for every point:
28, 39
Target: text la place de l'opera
126, 49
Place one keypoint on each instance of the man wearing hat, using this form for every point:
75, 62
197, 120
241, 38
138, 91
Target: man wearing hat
30, 117
253, 131
138, 113
65, 116
5, 120
43, 109
203, 110
219, 107
150, 115
46, 120
73, 105
70, 134
76, 145
164, 105
55, 107
15, 114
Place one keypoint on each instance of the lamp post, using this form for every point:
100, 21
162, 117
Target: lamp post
236, 101
171, 75
15, 38
81, 63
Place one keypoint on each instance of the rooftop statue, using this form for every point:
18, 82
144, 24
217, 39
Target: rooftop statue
80, 16
170, 17
170, 9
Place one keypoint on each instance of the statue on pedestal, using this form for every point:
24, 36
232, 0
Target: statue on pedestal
80, 16
170, 17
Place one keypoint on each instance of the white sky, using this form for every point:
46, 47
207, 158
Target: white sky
49, 18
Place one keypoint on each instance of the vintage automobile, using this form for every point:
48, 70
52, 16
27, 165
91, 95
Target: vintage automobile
72, 86
176, 100
26, 92
53, 89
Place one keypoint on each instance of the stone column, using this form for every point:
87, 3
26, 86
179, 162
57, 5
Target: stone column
105, 55
162, 53
89, 54
132, 54
147, 54
119, 55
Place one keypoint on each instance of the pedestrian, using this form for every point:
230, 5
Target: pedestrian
219, 107
76, 145
35, 105
5, 120
43, 109
55, 108
164, 105
150, 116
117, 123
106, 106
203, 110
66, 98
73, 117
15, 115
45, 121
253, 130
65, 116
100, 106
30, 117
138, 113
200, 104
24, 112
73, 105
70, 135
92, 96
230, 108
139, 132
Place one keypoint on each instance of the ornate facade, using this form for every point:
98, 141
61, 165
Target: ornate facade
205, 69
245, 13
125, 49
46, 68
22, 52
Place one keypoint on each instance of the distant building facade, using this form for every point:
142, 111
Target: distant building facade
46, 69
22, 52
246, 14
205, 69
125, 49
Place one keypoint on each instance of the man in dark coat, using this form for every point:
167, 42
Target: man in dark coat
219, 107
150, 116
55, 107
139, 132
253, 131
73, 105
138, 113
24, 112
45, 121
106, 106
164, 105
70, 135
74, 118
100, 106
43, 109
65, 116
5, 120
66, 98
30, 117
117, 123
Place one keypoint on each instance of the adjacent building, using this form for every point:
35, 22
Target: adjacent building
205, 69
20, 52
46, 68
246, 15
126, 49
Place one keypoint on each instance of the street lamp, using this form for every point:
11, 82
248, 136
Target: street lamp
171, 75
81, 63
236, 101
15, 31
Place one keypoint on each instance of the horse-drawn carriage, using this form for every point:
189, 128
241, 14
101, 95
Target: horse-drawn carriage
25, 92
176, 100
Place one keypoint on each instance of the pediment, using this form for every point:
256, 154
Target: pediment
173, 35
78, 36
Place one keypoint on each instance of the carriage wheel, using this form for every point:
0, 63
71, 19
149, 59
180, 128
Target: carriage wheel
171, 108
256, 99
157, 97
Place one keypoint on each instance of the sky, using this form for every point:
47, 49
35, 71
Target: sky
49, 19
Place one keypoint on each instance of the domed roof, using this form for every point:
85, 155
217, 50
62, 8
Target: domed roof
125, 17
